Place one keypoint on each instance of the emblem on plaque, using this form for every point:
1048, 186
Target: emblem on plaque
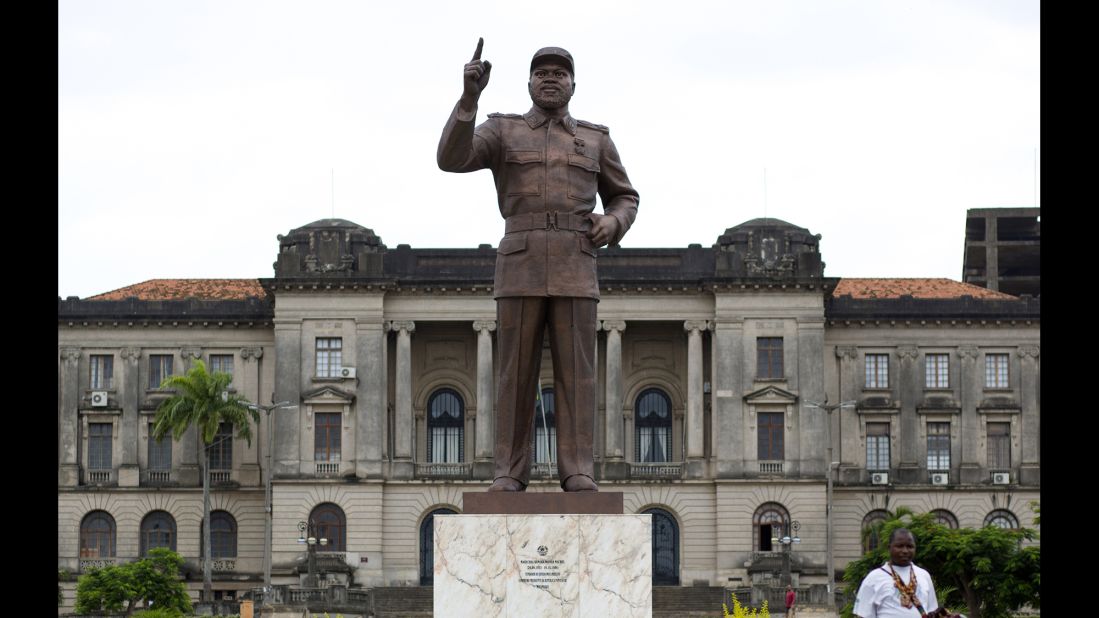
542, 550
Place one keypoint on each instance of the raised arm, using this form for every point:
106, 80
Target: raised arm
457, 152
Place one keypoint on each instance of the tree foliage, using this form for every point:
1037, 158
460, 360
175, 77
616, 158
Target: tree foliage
123, 587
986, 570
202, 399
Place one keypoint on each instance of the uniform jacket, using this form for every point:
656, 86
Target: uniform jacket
547, 175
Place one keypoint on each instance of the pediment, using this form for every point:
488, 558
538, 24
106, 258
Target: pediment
771, 394
327, 394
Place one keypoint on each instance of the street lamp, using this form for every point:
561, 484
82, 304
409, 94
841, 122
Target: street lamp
310, 527
831, 465
267, 495
786, 540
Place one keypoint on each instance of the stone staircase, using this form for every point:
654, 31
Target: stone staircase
403, 602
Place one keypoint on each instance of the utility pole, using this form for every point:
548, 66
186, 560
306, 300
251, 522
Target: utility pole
267, 549
828, 495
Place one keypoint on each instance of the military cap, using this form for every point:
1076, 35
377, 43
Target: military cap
553, 53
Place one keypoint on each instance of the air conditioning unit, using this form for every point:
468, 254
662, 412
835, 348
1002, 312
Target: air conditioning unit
347, 372
939, 478
99, 399
879, 478
1001, 478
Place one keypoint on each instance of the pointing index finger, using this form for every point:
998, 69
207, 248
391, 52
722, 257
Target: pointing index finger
480, 44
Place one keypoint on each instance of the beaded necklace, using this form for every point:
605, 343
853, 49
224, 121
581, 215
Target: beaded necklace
907, 591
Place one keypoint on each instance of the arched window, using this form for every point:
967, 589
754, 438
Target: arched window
945, 518
97, 533
329, 523
1002, 518
871, 529
771, 520
653, 426
545, 430
223, 535
445, 427
158, 529
665, 548
427, 546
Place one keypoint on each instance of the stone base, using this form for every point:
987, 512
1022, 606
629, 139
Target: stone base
537, 503
490, 566
129, 476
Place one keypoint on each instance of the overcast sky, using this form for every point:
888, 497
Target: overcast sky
191, 133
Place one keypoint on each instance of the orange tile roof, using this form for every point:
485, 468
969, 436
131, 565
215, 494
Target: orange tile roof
917, 288
179, 289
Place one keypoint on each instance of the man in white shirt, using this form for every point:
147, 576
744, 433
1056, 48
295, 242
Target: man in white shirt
898, 588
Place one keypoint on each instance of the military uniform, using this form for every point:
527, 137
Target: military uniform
548, 172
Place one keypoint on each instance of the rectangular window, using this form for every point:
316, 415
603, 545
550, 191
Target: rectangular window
160, 451
999, 446
221, 450
937, 370
222, 363
769, 358
938, 446
996, 370
326, 436
877, 371
99, 446
102, 369
329, 357
877, 446
770, 436
160, 367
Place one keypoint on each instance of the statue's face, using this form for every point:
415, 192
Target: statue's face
551, 85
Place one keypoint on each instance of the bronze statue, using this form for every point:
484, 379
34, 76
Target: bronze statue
548, 168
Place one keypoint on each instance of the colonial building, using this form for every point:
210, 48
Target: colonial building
717, 366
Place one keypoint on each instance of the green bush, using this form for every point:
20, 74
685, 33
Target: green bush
125, 587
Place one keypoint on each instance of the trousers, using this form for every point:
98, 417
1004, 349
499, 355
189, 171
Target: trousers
521, 325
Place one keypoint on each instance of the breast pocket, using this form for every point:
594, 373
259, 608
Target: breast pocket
526, 172
583, 178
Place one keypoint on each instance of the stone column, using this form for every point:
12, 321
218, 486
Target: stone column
696, 449
68, 418
288, 381
371, 399
1029, 428
189, 453
614, 449
811, 424
910, 390
403, 447
845, 436
970, 380
485, 397
248, 384
729, 438
129, 388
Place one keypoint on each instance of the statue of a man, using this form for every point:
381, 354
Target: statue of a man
548, 168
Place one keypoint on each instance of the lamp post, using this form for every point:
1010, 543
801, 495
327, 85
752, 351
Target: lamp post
267, 489
310, 528
831, 465
786, 541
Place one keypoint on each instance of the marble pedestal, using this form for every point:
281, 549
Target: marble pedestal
507, 566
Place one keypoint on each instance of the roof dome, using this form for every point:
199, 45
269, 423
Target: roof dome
769, 248
329, 247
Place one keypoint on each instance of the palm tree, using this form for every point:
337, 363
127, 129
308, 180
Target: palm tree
202, 399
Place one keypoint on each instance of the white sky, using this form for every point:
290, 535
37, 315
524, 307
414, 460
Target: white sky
192, 132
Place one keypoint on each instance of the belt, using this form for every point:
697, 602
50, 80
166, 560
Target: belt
552, 220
